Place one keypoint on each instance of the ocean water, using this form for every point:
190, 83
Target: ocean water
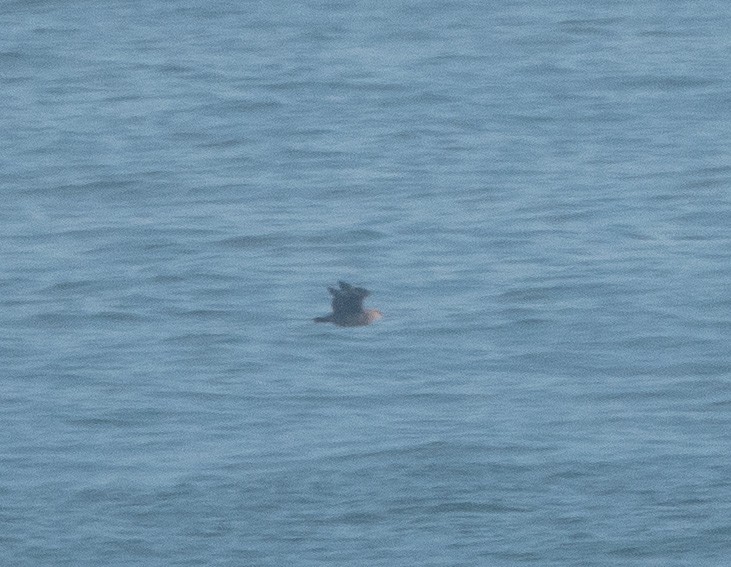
537, 194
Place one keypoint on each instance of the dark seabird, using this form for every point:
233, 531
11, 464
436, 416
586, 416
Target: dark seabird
348, 307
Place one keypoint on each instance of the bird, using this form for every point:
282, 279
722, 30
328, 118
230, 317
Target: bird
347, 304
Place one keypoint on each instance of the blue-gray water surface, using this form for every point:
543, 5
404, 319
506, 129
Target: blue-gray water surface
537, 194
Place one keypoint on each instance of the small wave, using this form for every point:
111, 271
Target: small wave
251, 241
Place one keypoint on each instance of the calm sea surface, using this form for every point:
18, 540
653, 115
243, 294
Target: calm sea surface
536, 192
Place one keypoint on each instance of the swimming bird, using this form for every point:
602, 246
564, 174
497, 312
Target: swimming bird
348, 309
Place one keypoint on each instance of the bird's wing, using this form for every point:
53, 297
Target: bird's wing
347, 299
359, 291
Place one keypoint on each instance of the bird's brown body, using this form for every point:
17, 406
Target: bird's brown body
348, 308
